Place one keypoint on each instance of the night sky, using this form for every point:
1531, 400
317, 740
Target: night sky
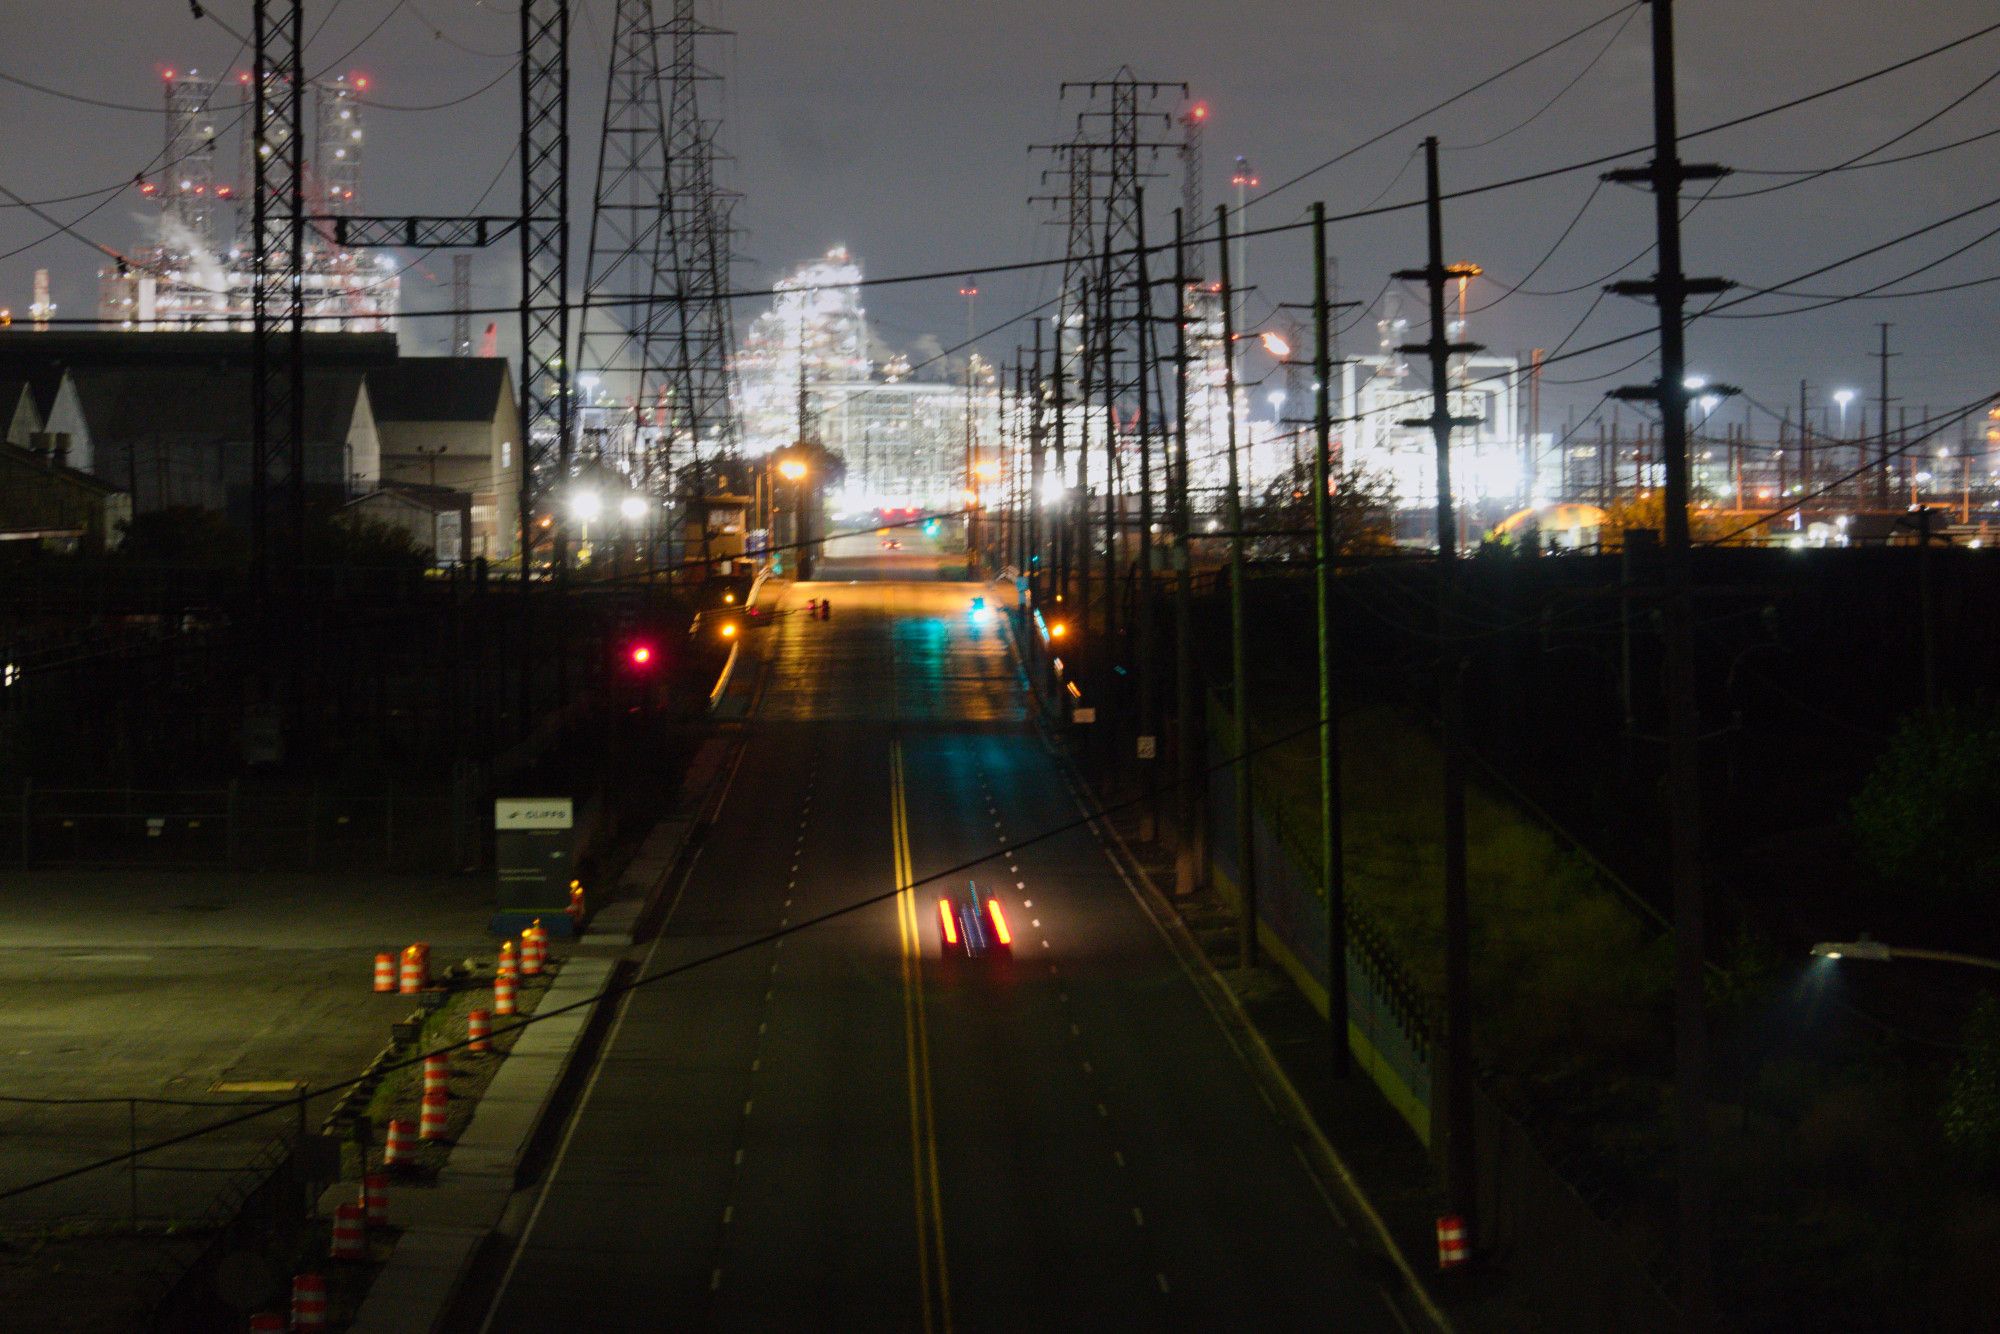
900, 130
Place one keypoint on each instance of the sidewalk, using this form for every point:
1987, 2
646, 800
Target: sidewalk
464, 1223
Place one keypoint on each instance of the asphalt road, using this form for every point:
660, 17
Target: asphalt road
836, 1128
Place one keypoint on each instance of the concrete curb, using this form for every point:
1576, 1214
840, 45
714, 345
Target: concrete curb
444, 1227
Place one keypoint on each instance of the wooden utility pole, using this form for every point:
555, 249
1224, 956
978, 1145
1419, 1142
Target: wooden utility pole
1148, 747
1239, 671
1460, 1161
1669, 289
1332, 847
1882, 451
1189, 722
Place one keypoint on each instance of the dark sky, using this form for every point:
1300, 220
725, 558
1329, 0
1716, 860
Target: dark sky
900, 129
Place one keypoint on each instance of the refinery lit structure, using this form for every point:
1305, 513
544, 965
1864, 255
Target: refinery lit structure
194, 273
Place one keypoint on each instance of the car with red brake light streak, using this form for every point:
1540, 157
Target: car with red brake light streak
972, 923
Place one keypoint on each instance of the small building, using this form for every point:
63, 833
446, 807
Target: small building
180, 435
437, 518
452, 422
45, 501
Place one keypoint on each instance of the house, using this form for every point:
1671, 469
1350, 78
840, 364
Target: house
45, 501
437, 518
453, 422
180, 435
45, 401
60, 366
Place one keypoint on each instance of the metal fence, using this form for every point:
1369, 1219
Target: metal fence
1583, 1272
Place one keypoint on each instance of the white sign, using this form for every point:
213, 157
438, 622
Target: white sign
1149, 747
532, 813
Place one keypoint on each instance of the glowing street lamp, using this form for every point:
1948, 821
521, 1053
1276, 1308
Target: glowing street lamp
633, 508
1876, 952
1275, 344
1843, 397
791, 469
586, 505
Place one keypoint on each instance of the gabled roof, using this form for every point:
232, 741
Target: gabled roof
438, 389
14, 459
26, 352
205, 404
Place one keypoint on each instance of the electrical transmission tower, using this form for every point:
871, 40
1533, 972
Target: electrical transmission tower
277, 298
625, 323
701, 378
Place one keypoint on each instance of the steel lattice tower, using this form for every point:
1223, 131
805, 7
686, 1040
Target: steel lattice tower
544, 222
698, 222
277, 300
626, 323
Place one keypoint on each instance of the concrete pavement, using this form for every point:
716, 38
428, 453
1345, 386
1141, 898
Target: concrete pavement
832, 1126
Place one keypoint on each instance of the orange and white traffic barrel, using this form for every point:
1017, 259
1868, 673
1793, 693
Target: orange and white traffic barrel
375, 1199
437, 1074
436, 1110
534, 949
1451, 1241
385, 973
506, 966
575, 909
350, 1232
308, 1301
416, 970
503, 993
478, 1029
399, 1144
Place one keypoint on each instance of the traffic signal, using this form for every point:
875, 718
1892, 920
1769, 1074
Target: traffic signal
640, 656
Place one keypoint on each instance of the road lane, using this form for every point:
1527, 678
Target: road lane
841, 1129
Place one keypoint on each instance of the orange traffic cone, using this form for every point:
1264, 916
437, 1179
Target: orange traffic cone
436, 1108
350, 1232
399, 1144
416, 970
375, 1199
308, 1301
437, 1074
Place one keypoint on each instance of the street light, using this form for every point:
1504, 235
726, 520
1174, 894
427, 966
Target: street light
586, 505
1276, 398
791, 469
1843, 397
633, 508
1876, 952
1275, 344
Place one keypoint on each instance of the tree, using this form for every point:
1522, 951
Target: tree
1924, 816
1971, 1110
184, 535
1284, 514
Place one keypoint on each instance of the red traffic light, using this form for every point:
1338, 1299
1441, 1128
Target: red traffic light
641, 655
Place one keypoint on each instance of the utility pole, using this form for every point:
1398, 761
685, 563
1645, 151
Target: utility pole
1108, 381
1332, 846
1882, 453
1239, 671
1187, 706
1669, 289
1033, 565
1059, 522
1148, 747
1460, 1161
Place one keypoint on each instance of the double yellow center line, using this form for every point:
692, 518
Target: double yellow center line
931, 1268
